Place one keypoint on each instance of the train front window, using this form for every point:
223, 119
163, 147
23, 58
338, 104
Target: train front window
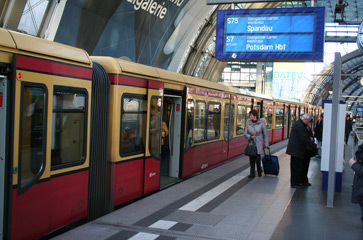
133, 124
68, 127
32, 135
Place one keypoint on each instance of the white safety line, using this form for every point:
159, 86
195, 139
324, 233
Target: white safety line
211, 194
161, 224
144, 236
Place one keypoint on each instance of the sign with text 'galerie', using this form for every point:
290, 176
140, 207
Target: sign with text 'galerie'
295, 34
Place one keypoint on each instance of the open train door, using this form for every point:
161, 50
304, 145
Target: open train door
171, 140
153, 139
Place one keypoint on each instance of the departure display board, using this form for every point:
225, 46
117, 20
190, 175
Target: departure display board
280, 34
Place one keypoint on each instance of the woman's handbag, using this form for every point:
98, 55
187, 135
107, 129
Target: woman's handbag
251, 149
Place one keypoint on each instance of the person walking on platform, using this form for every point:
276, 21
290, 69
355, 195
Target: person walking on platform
298, 146
348, 128
357, 187
256, 130
319, 132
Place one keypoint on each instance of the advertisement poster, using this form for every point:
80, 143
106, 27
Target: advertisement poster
288, 81
143, 31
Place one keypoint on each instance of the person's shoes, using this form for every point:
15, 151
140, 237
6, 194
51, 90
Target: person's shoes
297, 186
259, 174
307, 184
251, 176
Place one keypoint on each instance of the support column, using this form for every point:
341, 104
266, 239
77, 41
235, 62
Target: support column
337, 93
260, 79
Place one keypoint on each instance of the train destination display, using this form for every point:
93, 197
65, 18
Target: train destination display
271, 34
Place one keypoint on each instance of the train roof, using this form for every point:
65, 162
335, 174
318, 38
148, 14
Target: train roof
26, 43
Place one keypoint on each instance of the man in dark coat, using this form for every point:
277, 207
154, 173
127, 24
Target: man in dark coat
297, 147
357, 191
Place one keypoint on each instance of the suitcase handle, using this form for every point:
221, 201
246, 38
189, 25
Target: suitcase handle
269, 151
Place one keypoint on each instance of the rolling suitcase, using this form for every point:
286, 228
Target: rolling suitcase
270, 163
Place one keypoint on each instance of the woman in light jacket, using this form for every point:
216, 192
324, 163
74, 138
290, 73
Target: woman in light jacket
256, 130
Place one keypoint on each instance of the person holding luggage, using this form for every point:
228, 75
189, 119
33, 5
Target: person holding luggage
256, 130
297, 147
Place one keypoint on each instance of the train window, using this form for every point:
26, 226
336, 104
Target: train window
228, 121
267, 114
214, 120
190, 118
32, 135
155, 127
69, 124
133, 124
292, 116
200, 123
279, 117
241, 119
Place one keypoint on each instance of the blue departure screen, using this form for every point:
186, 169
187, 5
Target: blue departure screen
271, 34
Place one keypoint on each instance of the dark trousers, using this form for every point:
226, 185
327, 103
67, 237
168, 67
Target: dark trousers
297, 169
304, 177
361, 209
255, 161
346, 137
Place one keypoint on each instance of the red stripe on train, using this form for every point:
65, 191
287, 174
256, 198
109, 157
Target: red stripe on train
126, 80
47, 66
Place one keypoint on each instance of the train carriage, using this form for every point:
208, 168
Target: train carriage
81, 136
45, 102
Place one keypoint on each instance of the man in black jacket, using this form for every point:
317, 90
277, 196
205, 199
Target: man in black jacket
299, 144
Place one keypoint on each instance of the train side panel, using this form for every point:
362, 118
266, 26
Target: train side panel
51, 125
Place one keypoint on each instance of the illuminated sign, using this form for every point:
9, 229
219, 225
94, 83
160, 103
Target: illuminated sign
295, 34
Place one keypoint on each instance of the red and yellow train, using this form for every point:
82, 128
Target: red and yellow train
83, 135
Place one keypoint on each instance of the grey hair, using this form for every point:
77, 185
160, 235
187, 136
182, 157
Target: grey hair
306, 116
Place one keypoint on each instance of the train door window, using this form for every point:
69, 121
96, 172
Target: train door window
32, 134
267, 114
241, 119
214, 120
279, 117
69, 124
292, 116
155, 127
190, 118
228, 121
133, 124
200, 123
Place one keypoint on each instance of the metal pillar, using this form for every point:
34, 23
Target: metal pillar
337, 93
